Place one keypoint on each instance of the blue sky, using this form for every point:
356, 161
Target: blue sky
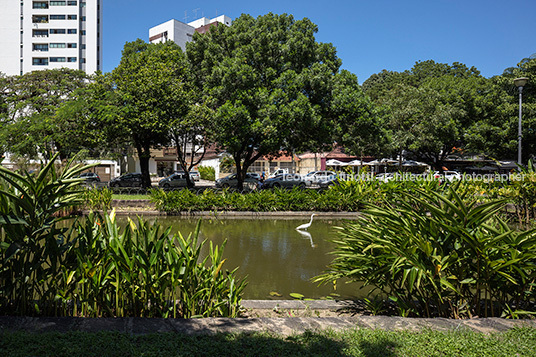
370, 35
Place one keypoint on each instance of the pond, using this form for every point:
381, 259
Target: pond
272, 254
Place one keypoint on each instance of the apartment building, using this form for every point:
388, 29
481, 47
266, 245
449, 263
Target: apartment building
42, 34
181, 33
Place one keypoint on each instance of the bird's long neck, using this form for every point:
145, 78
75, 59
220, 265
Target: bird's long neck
311, 219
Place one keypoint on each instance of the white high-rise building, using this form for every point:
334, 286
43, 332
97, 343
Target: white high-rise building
181, 33
42, 34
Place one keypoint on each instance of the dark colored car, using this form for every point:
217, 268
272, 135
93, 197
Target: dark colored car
127, 180
175, 180
285, 181
90, 177
329, 183
232, 181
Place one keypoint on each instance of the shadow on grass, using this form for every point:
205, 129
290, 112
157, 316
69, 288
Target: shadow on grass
22, 343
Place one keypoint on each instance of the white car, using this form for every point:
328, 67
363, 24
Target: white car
317, 177
448, 175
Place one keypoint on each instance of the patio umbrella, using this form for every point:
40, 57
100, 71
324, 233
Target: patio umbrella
355, 163
333, 162
373, 163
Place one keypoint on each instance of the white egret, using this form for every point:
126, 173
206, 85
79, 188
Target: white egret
306, 225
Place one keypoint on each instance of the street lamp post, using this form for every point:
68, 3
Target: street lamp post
520, 83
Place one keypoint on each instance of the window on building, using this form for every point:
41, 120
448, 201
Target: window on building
71, 31
71, 17
71, 45
39, 19
57, 59
40, 5
83, 32
40, 33
82, 4
57, 45
71, 3
40, 47
57, 3
39, 61
83, 46
57, 17
82, 60
83, 18
71, 59
57, 31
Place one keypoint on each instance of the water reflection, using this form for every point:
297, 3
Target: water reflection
273, 255
307, 235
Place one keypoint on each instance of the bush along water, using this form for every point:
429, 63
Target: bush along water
349, 196
94, 268
440, 254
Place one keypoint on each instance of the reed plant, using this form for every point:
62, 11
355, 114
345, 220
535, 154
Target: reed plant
98, 199
91, 267
439, 254
31, 241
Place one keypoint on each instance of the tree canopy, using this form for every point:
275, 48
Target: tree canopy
30, 126
150, 90
270, 84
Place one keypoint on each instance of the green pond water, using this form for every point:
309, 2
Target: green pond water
271, 253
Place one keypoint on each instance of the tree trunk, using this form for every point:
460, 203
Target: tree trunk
240, 173
144, 154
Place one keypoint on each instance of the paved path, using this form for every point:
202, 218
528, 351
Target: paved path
283, 326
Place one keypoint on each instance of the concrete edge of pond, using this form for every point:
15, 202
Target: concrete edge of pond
284, 326
236, 214
280, 325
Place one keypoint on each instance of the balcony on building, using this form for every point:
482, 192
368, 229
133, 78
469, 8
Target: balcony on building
40, 5
40, 19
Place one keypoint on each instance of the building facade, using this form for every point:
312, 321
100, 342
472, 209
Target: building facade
181, 33
43, 34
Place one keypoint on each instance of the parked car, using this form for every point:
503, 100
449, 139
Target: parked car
174, 180
194, 175
285, 180
255, 175
127, 180
448, 175
232, 181
329, 183
278, 172
316, 177
90, 177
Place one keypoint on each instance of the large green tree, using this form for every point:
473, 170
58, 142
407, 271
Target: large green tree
432, 108
498, 135
269, 83
30, 103
150, 90
355, 120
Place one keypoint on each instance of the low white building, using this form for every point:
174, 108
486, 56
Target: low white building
181, 33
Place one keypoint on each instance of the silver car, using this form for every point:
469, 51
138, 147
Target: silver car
316, 177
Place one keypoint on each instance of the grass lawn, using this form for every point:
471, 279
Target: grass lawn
516, 342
